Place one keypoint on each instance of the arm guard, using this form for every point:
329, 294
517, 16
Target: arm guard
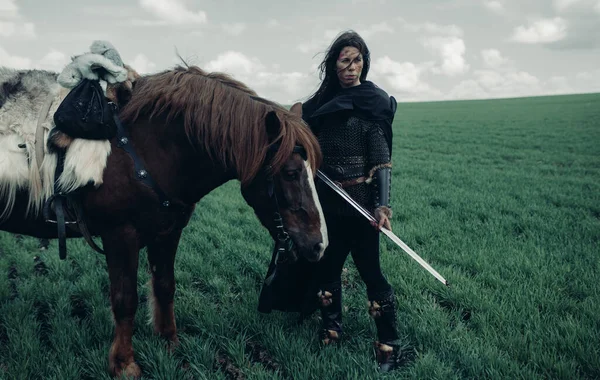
380, 176
382, 185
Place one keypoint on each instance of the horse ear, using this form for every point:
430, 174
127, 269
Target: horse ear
297, 109
273, 125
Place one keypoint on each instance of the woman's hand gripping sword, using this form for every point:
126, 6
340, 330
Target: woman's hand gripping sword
341, 192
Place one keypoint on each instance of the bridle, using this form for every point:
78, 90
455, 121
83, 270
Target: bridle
283, 243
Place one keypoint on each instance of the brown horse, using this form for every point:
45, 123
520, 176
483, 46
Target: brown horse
193, 131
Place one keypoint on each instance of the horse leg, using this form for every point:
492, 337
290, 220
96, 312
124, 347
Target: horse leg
161, 258
122, 251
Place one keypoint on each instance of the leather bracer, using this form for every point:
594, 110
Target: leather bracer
382, 184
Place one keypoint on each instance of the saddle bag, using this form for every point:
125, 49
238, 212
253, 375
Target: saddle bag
85, 113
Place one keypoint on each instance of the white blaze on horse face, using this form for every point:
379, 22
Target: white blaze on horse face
313, 189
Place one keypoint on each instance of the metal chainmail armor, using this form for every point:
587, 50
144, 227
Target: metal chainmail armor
352, 148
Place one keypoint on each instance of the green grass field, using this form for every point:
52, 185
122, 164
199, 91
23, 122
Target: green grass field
502, 197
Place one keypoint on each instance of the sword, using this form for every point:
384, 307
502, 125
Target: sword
341, 192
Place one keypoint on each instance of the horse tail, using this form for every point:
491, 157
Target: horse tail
13, 167
41, 181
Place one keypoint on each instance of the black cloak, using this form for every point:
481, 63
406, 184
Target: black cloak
294, 287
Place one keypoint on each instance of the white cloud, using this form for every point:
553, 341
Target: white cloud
235, 29
493, 58
53, 61
234, 63
558, 85
494, 6
508, 82
433, 28
8, 9
468, 89
285, 87
562, 5
382, 27
403, 78
11, 22
171, 12
293, 85
318, 44
451, 50
100, 10
14, 29
307, 47
141, 22
541, 31
588, 81
444, 41
493, 84
272, 23
142, 64
330, 34
14, 61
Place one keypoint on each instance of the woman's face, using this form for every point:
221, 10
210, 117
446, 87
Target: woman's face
349, 65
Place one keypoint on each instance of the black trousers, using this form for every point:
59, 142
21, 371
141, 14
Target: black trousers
355, 235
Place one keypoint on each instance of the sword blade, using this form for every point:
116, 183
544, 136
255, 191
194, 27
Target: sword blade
346, 196
340, 191
414, 255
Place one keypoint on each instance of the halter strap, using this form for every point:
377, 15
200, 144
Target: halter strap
283, 243
297, 149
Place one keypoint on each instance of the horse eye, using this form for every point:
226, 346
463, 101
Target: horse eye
290, 175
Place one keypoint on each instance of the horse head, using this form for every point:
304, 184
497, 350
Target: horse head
286, 201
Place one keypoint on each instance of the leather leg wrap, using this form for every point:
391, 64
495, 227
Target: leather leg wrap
330, 304
388, 356
383, 312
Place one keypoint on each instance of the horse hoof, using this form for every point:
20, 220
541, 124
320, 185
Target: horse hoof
172, 344
131, 370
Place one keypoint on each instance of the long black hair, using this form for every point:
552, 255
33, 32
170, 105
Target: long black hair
328, 71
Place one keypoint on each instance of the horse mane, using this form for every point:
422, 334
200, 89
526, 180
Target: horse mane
223, 116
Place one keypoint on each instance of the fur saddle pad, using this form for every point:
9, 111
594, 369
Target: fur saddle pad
25, 96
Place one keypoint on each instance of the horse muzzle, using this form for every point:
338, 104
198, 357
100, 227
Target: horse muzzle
313, 251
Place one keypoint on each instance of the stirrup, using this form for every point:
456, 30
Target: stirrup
48, 207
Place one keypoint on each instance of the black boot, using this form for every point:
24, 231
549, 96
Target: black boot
330, 304
388, 350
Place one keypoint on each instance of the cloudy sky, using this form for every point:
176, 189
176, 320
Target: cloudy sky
421, 50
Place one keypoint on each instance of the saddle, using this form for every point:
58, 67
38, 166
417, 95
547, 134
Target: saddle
83, 113
87, 112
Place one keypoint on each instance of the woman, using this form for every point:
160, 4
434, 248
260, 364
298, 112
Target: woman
352, 119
